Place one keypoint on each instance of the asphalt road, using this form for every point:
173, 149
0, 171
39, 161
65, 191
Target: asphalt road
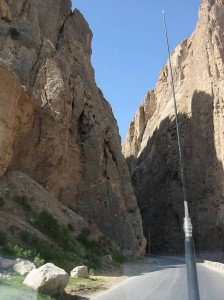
167, 281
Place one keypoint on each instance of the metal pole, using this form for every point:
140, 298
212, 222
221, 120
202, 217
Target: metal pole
192, 279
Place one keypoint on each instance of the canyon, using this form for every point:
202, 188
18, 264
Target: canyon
59, 145
60, 149
151, 148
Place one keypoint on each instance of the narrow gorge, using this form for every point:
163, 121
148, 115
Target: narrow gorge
61, 158
151, 148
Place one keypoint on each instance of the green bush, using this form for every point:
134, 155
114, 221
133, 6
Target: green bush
47, 224
15, 250
22, 201
118, 257
38, 261
3, 238
88, 244
2, 202
83, 237
93, 250
92, 260
38, 246
105, 244
14, 33
91, 272
40, 251
27, 238
63, 250
7, 62
70, 227
13, 229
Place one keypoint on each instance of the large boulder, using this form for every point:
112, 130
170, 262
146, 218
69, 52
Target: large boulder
80, 271
48, 278
24, 267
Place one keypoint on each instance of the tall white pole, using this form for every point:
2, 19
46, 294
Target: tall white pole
192, 278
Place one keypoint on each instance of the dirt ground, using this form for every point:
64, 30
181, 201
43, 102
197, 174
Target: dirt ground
113, 275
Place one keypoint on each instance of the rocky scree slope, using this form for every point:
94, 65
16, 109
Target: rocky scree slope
151, 148
61, 131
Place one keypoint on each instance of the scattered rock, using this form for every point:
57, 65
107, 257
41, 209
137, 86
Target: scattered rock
107, 258
17, 260
80, 271
6, 263
24, 267
48, 278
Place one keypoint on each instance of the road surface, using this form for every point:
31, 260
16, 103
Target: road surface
167, 281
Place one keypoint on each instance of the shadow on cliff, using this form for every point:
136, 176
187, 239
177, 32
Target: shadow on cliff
158, 188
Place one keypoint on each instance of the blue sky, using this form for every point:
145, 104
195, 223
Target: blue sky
129, 46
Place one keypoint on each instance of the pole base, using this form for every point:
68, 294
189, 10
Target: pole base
192, 278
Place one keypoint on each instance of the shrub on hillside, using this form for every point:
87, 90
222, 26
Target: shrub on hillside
2, 202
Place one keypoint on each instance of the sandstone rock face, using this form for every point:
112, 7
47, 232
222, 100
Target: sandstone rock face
73, 149
16, 113
4, 11
132, 144
48, 278
151, 144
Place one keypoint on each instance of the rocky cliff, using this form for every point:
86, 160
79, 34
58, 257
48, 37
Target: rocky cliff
60, 130
151, 143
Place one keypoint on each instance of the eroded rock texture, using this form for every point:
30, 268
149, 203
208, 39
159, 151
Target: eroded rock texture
16, 114
151, 144
73, 149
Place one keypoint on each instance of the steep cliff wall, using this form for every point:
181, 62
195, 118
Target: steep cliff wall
16, 114
73, 148
151, 144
